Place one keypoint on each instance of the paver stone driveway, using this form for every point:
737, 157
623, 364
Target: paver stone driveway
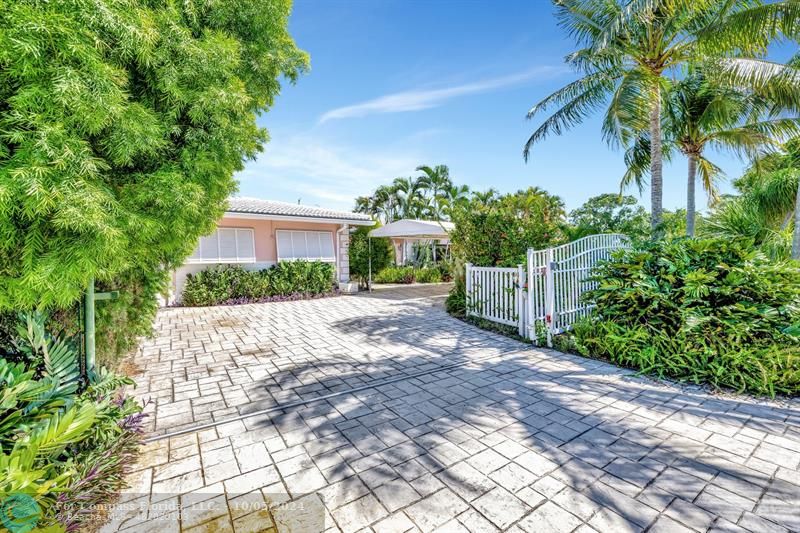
379, 412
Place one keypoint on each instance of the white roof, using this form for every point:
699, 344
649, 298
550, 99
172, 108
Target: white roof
415, 229
256, 206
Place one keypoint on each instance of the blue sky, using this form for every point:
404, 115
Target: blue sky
398, 83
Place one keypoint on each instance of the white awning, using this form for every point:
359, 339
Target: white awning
414, 229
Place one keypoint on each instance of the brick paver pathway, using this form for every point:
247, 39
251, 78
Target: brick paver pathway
450, 429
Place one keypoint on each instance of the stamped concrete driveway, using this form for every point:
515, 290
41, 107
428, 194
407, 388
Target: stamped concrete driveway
381, 413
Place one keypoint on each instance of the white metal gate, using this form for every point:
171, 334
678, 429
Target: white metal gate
557, 280
548, 301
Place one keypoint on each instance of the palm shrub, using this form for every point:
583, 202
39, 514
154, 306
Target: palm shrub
706, 311
234, 284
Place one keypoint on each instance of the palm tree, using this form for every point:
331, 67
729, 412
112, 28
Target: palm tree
627, 49
485, 197
449, 198
434, 179
386, 203
699, 114
412, 203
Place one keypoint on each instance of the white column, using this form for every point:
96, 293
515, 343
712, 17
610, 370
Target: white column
343, 260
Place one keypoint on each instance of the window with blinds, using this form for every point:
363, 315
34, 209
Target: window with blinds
295, 245
226, 245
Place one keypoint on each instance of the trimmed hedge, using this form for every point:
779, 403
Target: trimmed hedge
234, 284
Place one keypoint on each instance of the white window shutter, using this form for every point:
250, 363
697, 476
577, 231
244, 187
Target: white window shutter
227, 245
326, 246
245, 245
209, 247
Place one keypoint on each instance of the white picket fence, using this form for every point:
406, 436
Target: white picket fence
543, 298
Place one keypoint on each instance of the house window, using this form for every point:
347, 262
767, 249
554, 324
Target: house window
226, 245
296, 245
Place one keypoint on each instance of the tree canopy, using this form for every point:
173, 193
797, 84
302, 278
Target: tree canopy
121, 125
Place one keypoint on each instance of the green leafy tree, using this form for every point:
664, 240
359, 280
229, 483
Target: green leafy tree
762, 23
627, 50
121, 125
609, 213
380, 251
497, 231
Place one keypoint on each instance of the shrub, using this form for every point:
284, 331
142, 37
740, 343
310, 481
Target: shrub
382, 254
234, 284
705, 311
409, 274
395, 274
429, 275
65, 444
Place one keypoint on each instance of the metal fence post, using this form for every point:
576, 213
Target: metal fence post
550, 300
520, 300
469, 287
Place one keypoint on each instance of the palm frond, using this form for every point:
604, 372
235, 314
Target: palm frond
754, 26
573, 112
778, 83
709, 174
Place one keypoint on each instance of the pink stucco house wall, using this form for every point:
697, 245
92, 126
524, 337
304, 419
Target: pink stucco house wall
256, 234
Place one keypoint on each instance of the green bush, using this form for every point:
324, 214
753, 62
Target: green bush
705, 311
360, 247
409, 274
64, 443
234, 284
498, 230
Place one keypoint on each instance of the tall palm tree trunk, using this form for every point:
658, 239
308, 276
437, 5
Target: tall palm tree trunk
796, 233
690, 198
656, 163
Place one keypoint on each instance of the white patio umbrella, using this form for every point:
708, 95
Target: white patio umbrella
411, 229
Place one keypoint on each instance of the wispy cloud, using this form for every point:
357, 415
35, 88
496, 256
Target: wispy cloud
319, 172
417, 100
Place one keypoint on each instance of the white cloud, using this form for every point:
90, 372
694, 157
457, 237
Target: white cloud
417, 100
320, 173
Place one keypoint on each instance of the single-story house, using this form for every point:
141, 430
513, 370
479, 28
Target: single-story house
257, 234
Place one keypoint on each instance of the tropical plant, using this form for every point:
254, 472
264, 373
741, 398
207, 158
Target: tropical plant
411, 274
699, 114
765, 210
68, 451
121, 126
627, 49
762, 24
429, 196
702, 310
